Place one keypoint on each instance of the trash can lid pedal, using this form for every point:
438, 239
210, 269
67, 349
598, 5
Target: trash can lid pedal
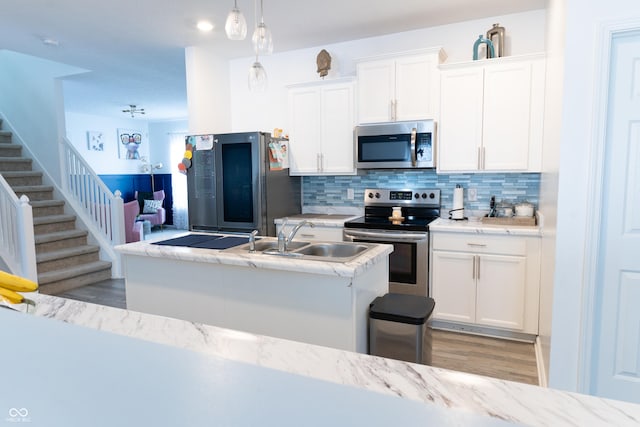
411, 309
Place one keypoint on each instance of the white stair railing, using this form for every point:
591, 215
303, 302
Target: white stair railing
17, 243
101, 209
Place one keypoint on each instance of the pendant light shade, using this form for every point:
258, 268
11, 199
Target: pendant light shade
236, 25
257, 77
262, 40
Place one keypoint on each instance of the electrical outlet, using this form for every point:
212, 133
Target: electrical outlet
472, 194
350, 194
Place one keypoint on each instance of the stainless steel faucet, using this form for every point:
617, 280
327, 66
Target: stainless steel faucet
252, 241
283, 241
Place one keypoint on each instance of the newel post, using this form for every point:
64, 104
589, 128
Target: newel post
27, 242
117, 213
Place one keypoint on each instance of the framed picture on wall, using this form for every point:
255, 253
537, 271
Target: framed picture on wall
129, 142
95, 140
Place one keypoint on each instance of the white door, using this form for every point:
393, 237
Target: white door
414, 88
616, 369
376, 90
304, 131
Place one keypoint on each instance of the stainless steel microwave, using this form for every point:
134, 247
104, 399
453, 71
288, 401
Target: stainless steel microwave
409, 144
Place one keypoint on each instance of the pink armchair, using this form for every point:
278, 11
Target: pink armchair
132, 228
158, 217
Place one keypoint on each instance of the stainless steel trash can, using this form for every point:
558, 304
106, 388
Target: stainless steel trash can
399, 327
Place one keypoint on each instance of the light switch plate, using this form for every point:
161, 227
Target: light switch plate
472, 194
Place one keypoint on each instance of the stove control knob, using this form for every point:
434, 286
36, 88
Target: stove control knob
417, 196
377, 195
432, 195
370, 195
424, 195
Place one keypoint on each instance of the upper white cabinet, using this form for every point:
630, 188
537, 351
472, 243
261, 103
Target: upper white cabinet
491, 115
399, 87
321, 121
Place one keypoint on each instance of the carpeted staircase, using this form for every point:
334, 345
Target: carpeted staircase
64, 259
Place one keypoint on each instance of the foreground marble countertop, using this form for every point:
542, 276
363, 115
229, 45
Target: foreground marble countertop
463, 396
259, 260
443, 224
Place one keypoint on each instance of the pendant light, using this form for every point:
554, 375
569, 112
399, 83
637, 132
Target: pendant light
262, 40
257, 77
236, 25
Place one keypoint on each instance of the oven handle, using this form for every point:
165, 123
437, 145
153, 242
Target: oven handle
386, 235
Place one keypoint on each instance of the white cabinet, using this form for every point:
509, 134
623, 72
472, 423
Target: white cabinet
491, 281
491, 115
321, 121
399, 87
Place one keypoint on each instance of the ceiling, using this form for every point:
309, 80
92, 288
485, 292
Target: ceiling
135, 49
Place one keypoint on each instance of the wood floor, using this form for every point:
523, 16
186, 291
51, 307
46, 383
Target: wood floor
493, 357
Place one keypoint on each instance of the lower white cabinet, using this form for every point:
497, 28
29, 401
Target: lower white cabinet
490, 281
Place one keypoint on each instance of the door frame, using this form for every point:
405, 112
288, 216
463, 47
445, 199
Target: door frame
597, 149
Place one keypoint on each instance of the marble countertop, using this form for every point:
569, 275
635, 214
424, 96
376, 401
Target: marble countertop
431, 396
443, 224
259, 260
319, 219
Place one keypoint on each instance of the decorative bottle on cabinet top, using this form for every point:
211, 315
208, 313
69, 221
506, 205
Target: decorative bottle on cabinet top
496, 35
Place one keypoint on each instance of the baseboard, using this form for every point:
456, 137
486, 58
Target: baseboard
542, 373
483, 331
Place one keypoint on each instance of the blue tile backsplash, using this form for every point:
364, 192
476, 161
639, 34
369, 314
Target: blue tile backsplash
332, 190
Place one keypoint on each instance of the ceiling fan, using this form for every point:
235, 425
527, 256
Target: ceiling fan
133, 110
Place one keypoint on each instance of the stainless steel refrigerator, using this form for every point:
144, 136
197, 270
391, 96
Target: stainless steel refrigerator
232, 186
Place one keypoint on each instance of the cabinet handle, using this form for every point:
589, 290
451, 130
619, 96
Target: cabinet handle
479, 157
392, 110
483, 157
477, 245
318, 162
478, 269
307, 235
473, 270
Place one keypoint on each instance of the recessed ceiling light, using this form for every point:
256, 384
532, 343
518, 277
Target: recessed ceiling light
50, 42
205, 26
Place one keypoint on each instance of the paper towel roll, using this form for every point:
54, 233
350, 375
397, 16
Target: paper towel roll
458, 203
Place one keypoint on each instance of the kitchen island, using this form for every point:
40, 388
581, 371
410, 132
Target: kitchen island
173, 372
297, 298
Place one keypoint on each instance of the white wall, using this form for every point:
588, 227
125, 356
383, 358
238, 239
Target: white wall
30, 98
583, 20
156, 147
549, 176
208, 91
107, 161
265, 111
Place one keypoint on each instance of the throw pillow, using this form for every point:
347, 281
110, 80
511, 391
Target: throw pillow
151, 206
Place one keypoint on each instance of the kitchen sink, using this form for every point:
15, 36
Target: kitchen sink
336, 252
265, 245
332, 250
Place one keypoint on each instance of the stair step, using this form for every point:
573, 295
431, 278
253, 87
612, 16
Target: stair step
60, 240
52, 223
59, 281
35, 192
15, 164
18, 178
5, 137
41, 208
66, 258
10, 150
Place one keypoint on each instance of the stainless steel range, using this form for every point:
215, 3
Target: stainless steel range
407, 230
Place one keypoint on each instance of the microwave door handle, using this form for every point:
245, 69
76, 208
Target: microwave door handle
414, 131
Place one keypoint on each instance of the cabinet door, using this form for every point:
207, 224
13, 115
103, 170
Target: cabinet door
507, 116
453, 286
501, 285
416, 94
337, 144
460, 129
376, 87
304, 131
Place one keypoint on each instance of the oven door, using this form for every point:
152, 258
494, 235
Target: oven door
408, 263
